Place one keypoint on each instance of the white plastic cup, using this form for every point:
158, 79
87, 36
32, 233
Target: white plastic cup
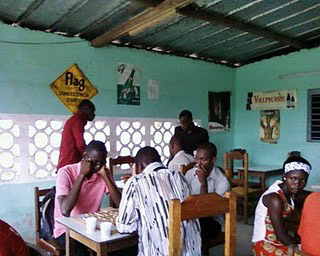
105, 228
91, 224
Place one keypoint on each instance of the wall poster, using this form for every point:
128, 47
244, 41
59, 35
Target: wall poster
219, 111
269, 126
128, 87
153, 90
285, 99
72, 86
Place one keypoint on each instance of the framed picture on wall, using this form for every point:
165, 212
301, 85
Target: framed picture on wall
270, 126
128, 86
219, 111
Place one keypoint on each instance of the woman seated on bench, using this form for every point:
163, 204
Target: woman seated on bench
269, 235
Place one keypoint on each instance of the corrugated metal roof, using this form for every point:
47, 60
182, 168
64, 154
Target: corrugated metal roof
230, 32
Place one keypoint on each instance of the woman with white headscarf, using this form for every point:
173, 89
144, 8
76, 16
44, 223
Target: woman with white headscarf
269, 235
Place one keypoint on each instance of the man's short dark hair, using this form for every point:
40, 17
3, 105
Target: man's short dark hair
97, 146
177, 139
209, 147
86, 103
147, 155
186, 113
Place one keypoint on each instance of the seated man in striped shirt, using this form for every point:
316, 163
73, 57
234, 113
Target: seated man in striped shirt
144, 206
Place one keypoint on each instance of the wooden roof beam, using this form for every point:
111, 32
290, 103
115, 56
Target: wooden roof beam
217, 18
229, 22
141, 22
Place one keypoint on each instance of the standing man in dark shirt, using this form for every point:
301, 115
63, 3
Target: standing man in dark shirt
72, 142
192, 135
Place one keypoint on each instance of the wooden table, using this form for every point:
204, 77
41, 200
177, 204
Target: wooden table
76, 230
262, 172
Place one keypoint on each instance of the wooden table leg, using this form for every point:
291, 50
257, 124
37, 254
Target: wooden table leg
101, 250
69, 244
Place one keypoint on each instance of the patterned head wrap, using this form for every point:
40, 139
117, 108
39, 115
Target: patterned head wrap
297, 166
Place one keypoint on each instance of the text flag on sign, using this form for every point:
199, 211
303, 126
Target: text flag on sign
73, 86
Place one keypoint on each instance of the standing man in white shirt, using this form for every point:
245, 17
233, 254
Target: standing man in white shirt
144, 207
207, 178
177, 154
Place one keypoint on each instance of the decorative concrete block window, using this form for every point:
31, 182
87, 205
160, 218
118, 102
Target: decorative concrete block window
313, 115
29, 144
9, 149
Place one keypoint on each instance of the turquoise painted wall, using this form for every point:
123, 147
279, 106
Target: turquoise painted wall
26, 71
17, 209
264, 76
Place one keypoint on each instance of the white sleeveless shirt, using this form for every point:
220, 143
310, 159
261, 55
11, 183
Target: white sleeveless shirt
259, 230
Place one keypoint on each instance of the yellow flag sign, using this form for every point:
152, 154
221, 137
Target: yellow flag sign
72, 87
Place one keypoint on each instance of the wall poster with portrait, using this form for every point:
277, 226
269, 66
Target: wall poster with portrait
270, 126
219, 111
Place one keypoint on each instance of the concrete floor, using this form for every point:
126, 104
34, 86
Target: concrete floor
244, 245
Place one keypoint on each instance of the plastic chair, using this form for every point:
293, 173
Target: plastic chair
199, 206
49, 245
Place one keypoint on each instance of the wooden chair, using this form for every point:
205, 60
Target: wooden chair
35, 251
207, 242
229, 167
242, 187
119, 161
199, 206
186, 167
49, 245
